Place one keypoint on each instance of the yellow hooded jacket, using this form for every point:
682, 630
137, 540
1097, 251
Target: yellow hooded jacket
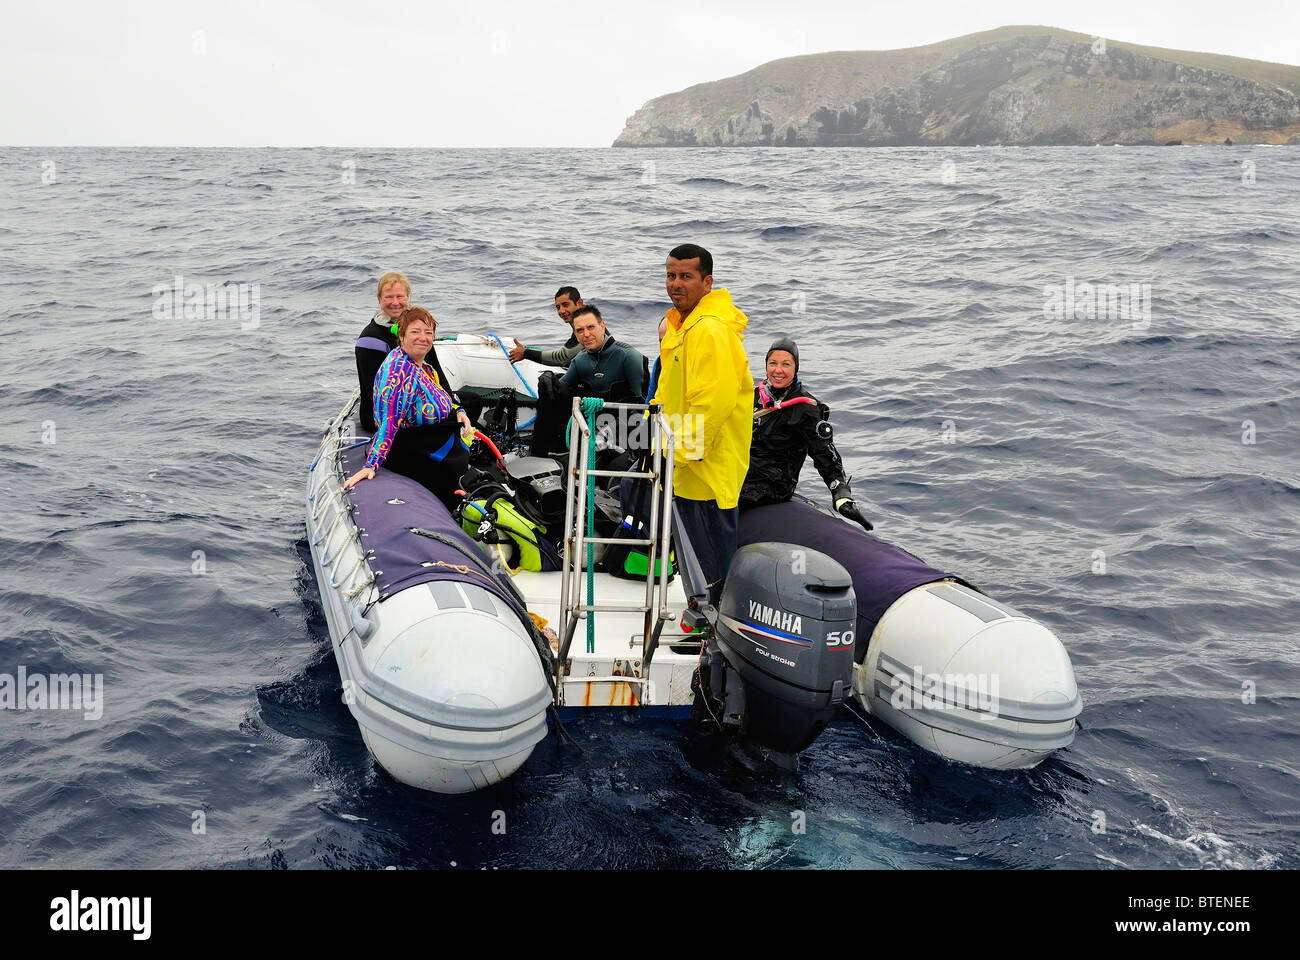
708, 394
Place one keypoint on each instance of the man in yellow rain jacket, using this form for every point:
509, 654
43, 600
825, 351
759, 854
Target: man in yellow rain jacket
708, 395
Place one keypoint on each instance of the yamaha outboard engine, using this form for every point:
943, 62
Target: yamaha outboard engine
783, 662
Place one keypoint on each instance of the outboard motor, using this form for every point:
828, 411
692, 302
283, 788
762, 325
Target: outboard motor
783, 661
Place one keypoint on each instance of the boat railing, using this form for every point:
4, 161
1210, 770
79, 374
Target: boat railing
579, 488
325, 493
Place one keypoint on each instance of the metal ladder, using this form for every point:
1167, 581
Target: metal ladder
658, 543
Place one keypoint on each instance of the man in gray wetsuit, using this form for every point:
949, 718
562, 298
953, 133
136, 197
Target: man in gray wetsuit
567, 300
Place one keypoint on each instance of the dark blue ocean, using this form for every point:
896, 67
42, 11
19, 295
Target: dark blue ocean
1124, 470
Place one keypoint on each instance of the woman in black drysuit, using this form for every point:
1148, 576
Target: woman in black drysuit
789, 425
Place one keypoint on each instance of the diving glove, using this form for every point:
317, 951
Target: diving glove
846, 507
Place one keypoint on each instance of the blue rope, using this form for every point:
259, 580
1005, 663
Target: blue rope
530, 420
512, 365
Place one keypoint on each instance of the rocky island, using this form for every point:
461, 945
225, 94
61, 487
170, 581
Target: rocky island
1012, 86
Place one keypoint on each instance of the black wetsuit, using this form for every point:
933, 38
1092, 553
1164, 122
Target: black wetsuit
615, 372
782, 440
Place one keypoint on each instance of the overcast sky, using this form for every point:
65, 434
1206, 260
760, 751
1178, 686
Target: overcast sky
493, 74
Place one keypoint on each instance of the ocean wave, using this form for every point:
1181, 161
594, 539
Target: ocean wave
788, 230
722, 182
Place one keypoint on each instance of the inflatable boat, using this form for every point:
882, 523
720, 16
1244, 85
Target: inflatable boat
456, 635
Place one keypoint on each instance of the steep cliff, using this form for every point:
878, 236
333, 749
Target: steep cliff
1014, 85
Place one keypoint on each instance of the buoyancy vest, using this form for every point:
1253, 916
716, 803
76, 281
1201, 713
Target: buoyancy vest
533, 550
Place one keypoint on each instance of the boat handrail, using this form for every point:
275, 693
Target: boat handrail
333, 442
334, 425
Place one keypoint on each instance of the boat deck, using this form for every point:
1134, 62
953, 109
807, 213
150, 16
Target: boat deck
599, 677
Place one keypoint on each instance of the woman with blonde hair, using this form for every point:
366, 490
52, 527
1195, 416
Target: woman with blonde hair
379, 338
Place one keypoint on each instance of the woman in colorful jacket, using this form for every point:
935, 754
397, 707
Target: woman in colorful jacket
416, 420
789, 424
